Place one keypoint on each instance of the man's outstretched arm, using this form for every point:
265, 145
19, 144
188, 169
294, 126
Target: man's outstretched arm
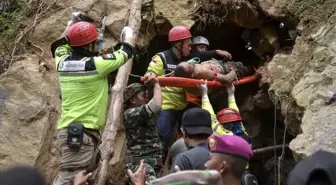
154, 105
152, 108
206, 105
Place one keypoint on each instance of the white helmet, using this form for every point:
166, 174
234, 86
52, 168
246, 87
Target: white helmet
200, 40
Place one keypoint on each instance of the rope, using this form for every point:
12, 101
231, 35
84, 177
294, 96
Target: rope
194, 60
139, 76
274, 143
282, 155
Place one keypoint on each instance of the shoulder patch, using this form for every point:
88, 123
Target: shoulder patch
154, 61
109, 56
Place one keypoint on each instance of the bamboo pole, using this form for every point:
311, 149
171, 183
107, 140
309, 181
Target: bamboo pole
115, 111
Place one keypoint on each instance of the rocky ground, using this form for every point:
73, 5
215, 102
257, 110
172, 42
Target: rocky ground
296, 79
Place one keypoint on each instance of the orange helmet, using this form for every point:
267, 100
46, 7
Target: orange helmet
179, 33
82, 33
228, 115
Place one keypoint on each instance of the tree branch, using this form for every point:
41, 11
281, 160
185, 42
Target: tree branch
115, 112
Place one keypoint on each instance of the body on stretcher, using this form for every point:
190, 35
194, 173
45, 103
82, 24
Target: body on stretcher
193, 83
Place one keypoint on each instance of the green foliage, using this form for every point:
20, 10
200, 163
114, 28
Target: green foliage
11, 21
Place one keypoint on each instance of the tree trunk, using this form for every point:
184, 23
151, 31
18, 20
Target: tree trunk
115, 112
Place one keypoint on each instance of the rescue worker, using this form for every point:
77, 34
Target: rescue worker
200, 50
228, 155
200, 44
177, 149
200, 47
228, 122
196, 128
174, 100
143, 141
84, 88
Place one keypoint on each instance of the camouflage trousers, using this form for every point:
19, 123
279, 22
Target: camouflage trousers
240, 68
153, 169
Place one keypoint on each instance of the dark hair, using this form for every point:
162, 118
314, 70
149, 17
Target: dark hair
79, 52
180, 72
238, 166
174, 43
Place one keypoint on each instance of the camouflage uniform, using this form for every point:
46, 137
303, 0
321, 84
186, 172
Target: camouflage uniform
143, 141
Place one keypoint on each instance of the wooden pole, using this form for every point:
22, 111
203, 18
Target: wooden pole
115, 111
268, 149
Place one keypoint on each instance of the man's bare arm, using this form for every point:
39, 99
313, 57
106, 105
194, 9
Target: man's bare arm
157, 94
211, 75
155, 104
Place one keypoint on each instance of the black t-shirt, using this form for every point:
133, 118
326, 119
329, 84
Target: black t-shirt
193, 159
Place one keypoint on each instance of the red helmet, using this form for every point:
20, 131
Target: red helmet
228, 115
82, 33
179, 33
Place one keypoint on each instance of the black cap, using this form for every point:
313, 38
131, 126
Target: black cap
318, 168
22, 175
197, 121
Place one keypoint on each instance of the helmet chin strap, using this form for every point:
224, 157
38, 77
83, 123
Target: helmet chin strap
180, 49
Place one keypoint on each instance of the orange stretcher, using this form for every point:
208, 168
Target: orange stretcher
192, 83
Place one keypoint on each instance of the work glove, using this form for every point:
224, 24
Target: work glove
127, 35
204, 88
75, 17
